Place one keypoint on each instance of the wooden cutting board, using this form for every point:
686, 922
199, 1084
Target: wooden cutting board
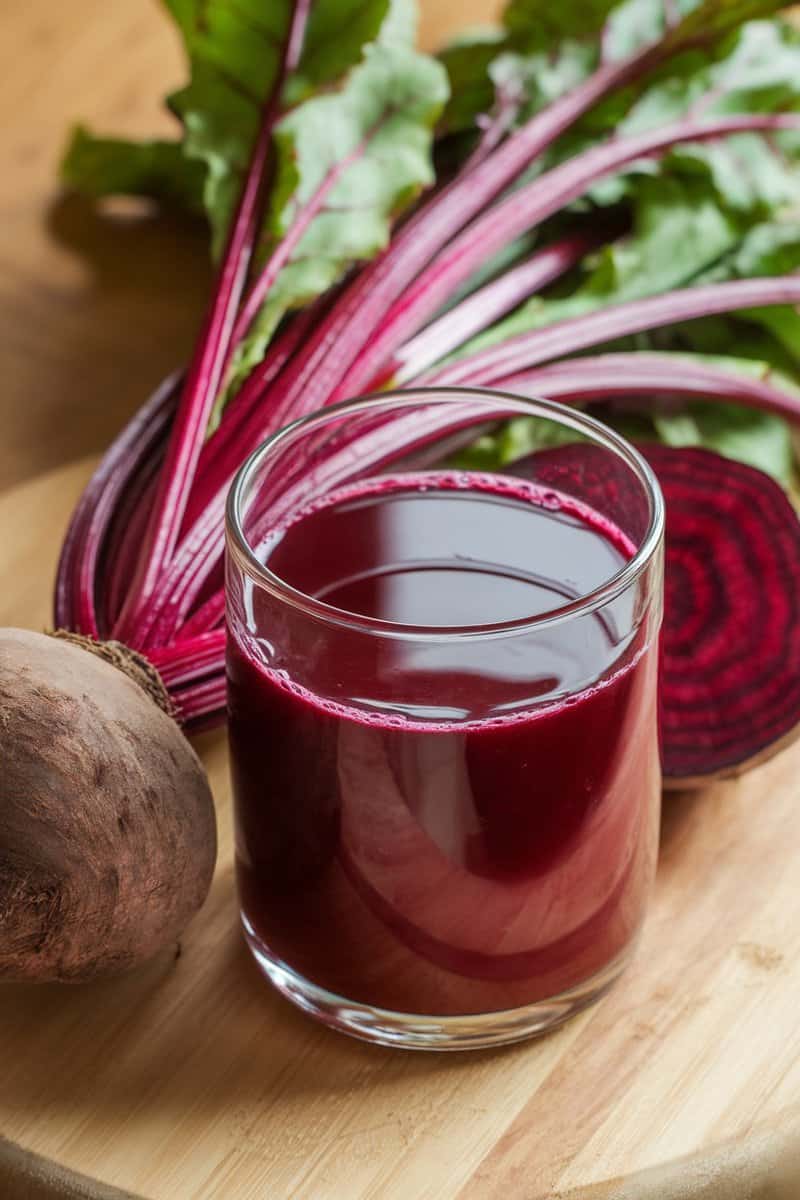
191, 1079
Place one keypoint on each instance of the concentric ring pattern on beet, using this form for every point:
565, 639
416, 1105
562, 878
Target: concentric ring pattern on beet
730, 656
730, 681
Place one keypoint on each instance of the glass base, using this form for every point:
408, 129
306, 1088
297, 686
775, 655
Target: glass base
413, 1031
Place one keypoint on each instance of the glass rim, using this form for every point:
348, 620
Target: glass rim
595, 430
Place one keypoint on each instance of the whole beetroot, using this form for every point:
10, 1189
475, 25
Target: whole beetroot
107, 827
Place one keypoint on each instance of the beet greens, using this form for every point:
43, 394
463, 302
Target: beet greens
622, 180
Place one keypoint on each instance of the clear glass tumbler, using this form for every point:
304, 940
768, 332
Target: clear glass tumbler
443, 716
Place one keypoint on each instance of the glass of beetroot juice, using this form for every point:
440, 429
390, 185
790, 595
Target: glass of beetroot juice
442, 697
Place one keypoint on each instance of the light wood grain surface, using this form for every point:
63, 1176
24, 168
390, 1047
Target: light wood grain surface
191, 1079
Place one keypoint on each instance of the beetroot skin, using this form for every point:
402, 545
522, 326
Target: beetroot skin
107, 826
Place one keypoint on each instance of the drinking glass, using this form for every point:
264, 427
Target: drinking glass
443, 610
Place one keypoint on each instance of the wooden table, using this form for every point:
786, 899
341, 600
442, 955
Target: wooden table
193, 1079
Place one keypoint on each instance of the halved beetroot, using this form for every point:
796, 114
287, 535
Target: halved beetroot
730, 673
730, 683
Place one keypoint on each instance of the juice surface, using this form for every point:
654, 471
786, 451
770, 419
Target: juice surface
454, 824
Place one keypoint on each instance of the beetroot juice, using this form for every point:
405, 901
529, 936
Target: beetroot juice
445, 768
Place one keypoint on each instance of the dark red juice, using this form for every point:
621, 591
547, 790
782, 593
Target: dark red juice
443, 821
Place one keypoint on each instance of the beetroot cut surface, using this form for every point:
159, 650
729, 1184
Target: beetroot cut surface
730, 677
729, 687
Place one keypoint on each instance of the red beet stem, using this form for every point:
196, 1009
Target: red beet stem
486, 305
199, 705
649, 375
78, 567
240, 407
294, 235
205, 372
527, 350
125, 536
210, 614
494, 127
191, 658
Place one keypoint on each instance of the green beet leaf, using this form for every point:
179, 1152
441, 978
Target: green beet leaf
549, 48
468, 62
539, 24
110, 166
760, 439
769, 248
235, 52
234, 49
